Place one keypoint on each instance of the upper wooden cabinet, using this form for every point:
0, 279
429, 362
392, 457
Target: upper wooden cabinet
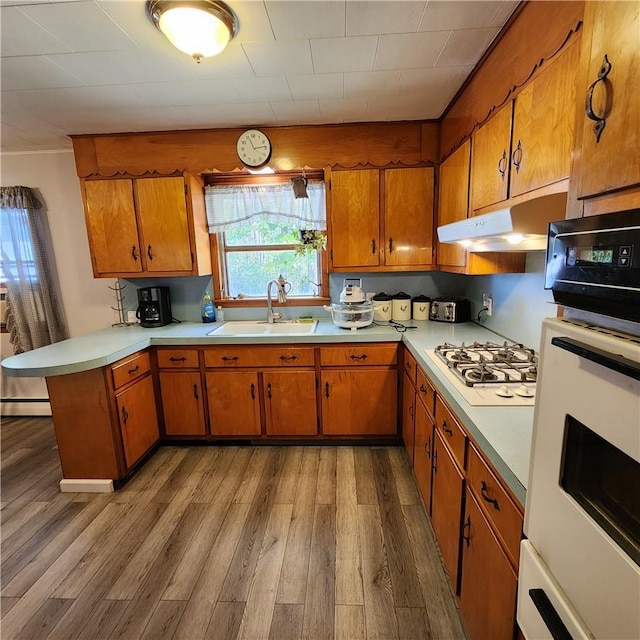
527, 144
605, 175
381, 220
147, 227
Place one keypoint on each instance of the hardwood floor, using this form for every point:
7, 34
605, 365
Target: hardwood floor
270, 543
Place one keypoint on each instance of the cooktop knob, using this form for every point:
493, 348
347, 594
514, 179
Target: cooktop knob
524, 392
504, 391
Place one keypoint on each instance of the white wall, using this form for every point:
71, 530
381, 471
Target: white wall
86, 301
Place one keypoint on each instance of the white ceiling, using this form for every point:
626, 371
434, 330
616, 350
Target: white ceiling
100, 66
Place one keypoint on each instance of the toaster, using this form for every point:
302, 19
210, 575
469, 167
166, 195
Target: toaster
450, 310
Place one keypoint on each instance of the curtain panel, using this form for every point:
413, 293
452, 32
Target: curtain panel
34, 317
229, 205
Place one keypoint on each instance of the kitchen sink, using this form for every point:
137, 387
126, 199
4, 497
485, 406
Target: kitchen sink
262, 328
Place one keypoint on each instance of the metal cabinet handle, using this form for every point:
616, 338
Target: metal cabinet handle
253, 391
390, 245
486, 497
373, 245
446, 429
434, 461
230, 358
134, 252
288, 358
269, 390
427, 447
326, 389
132, 371
174, 359
600, 120
467, 526
149, 252
125, 415
502, 164
411, 411
516, 157
423, 389
195, 392
363, 356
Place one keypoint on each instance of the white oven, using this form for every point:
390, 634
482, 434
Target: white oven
580, 562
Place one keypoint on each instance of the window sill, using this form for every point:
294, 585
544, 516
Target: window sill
230, 303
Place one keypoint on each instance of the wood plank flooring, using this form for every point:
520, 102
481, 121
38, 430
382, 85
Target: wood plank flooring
217, 543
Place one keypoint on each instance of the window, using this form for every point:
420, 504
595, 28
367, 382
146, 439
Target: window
261, 230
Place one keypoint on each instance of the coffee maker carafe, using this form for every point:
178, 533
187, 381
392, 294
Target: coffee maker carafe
154, 307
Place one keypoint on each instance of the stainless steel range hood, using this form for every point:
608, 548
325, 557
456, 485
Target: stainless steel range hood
521, 227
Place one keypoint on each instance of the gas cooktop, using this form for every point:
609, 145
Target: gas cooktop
488, 373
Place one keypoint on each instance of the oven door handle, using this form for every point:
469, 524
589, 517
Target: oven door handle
611, 361
549, 615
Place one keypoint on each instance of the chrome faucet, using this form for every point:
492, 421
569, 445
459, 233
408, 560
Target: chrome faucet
274, 316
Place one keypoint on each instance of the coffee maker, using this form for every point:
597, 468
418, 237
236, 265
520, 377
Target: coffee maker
154, 307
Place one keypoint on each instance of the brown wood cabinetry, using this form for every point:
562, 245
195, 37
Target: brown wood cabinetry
181, 392
408, 402
527, 144
605, 174
369, 228
488, 583
422, 463
147, 227
254, 391
359, 389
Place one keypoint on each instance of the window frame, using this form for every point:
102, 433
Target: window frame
218, 254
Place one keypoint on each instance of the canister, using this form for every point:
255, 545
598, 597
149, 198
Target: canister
401, 307
381, 307
420, 307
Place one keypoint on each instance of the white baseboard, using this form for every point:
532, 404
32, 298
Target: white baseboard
86, 485
16, 408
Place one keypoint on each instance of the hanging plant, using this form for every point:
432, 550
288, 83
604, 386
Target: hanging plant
311, 240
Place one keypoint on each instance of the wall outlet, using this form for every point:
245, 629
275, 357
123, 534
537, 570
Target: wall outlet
487, 303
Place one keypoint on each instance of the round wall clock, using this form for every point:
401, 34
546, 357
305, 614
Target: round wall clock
254, 148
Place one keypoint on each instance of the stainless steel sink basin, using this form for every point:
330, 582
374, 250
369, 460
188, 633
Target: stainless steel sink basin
262, 328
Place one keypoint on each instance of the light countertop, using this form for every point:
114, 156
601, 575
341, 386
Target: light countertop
503, 433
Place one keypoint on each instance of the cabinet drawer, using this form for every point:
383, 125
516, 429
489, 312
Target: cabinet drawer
451, 431
409, 365
129, 369
426, 392
178, 358
359, 354
496, 503
234, 356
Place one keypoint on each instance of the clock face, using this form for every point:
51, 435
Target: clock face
254, 148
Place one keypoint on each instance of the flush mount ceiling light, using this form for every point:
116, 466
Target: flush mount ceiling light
199, 28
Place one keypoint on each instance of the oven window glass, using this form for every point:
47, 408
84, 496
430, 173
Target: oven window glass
605, 482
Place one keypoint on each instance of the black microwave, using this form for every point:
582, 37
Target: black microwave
593, 264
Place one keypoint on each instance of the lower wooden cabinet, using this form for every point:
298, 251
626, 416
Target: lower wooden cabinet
446, 505
488, 583
409, 403
234, 403
182, 403
423, 462
138, 419
359, 402
290, 403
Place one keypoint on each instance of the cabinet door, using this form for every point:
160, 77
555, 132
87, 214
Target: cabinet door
422, 467
488, 584
355, 220
490, 155
112, 227
454, 201
138, 420
408, 416
162, 212
611, 29
408, 216
182, 403
446, 506
543, 121
234, 404
359, 402
290, 403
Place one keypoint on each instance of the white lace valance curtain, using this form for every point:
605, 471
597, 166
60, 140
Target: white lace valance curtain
34, 316
228, 205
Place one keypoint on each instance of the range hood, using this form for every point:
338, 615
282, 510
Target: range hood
521, 227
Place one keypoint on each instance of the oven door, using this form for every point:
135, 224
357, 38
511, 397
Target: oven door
583, 503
